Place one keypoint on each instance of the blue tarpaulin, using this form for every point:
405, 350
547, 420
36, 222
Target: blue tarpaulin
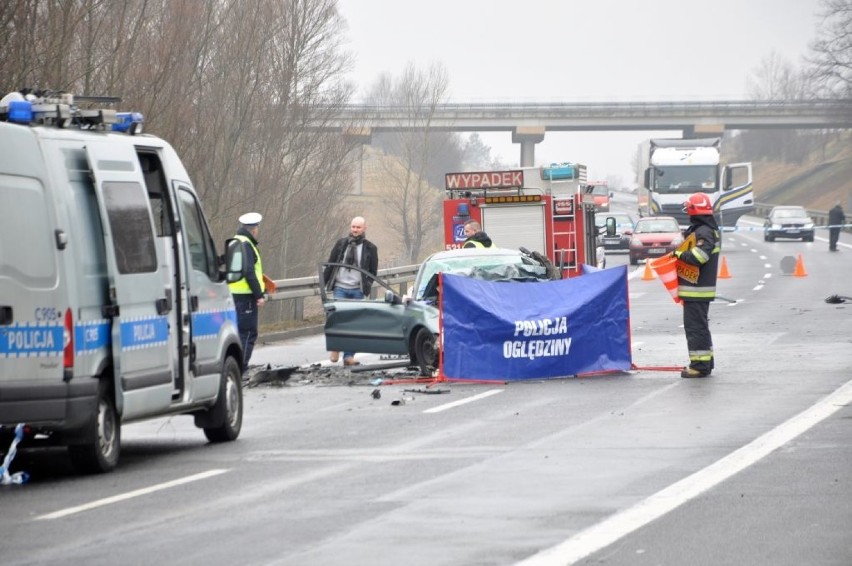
505, 330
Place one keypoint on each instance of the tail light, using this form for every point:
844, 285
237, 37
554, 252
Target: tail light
68, 347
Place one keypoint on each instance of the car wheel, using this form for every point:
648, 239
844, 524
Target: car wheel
808, 238
426, 351
770, 238
101, 443
634, 260
227, 413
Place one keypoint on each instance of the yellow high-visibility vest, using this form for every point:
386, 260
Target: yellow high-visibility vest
242, 287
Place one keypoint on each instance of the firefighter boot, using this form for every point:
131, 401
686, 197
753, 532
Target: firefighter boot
691, 372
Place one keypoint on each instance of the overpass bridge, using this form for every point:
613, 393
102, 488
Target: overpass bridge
530, 121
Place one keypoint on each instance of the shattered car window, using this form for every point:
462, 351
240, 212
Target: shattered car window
520, 271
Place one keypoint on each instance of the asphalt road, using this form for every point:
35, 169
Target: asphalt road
750, 466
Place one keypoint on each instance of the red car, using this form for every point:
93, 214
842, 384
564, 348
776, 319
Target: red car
654, 236
602, 197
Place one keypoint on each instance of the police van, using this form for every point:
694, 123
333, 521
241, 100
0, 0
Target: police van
114, 305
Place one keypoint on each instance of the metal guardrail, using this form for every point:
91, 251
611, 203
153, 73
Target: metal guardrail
303, 287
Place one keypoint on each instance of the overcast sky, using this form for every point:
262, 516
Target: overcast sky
572, 50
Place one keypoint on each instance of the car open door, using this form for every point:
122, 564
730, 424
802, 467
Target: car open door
376, 325
140, 310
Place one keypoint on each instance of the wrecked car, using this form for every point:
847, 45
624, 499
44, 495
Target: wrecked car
388, 323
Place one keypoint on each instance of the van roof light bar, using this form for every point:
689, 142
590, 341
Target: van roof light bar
59, 109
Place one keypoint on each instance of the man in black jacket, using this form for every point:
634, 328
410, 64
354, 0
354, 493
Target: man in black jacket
836, 219
696, 282
344, 283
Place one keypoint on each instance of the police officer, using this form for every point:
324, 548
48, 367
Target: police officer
836, 219
249, 291
697, 269
476, 238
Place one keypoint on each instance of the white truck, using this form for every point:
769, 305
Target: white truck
114, 304
676, 168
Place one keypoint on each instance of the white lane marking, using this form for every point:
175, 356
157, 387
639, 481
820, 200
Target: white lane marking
129, 495
621, 524
446, 406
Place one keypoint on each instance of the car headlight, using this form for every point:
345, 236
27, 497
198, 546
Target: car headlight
677, 241
809, 226
776, 226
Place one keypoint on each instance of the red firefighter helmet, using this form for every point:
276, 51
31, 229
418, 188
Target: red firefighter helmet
698, 203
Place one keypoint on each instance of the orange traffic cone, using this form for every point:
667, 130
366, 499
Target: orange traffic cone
648, 275
666, 268
800, 267
723, 271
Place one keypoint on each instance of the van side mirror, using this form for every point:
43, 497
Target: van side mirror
234, 260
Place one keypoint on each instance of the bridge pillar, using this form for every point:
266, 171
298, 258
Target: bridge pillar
362, 136
528, 136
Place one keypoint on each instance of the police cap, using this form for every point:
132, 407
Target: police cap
250, 219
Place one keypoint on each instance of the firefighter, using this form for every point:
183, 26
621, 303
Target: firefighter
476, 238
698, 260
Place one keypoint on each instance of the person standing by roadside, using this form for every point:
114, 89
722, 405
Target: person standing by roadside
476, 238
355, 250
698, 263
836, 220
249, 291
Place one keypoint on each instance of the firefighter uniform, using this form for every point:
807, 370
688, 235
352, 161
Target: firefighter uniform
698, 262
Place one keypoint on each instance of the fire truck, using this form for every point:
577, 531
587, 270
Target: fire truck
546, 209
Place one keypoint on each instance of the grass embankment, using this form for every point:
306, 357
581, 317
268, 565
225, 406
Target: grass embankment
818, 184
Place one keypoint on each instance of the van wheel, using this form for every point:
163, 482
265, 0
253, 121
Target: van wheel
426, 351
99, 451
228, 410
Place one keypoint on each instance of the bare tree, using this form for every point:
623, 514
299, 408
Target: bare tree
477, 155
776, 79
831, 56
414, 203
245, 91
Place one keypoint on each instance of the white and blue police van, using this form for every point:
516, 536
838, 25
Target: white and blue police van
114, 304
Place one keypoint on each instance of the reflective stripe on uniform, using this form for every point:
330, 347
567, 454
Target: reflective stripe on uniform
700, 355
700, 255
686, 292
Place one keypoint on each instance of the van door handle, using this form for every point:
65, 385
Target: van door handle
164, 305
6, 317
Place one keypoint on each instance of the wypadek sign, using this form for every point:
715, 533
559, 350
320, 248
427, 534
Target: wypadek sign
533, 330
485, 180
